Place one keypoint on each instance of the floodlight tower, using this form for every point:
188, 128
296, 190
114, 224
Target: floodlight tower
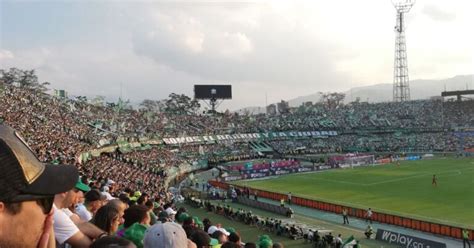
401, 82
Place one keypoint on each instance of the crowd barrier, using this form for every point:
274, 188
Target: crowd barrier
420, 225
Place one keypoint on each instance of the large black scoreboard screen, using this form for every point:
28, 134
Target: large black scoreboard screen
204, 92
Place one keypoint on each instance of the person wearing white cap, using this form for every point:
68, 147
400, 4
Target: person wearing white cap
212, 229
166, 235
171, 213
105, 191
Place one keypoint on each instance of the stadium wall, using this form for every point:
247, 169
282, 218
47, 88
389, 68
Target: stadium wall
416, 224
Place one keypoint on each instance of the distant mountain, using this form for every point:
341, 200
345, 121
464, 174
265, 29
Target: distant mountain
253, 110
419, 89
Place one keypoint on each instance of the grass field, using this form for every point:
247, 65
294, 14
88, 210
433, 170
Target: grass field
404, 190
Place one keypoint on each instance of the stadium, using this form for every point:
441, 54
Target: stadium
357, 156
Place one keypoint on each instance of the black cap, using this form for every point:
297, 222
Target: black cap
22, 173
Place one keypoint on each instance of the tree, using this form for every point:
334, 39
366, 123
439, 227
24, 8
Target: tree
98, 101
10, 76
24, 78
149, 105
181, 104
28, 79
43, 87
110, 104
122, 105
81, 99
332, 100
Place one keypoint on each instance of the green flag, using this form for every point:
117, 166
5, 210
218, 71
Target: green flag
349, 242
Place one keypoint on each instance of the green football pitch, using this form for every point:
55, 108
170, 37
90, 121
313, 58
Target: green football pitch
404, 190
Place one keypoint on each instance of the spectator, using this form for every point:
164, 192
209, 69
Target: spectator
202, 239
207, 223
27, 189
220, 236
235, 237
108, 219
171, 213
120, 206
93, 201
137, 220
153, 218
163, 217
134, 214
105, 192
166, 235
338, 241
65, 229
189, 226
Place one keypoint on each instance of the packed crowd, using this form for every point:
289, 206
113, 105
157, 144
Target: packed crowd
91, 213
79, 126
386, 142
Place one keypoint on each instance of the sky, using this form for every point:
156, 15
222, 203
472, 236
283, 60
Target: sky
267, 50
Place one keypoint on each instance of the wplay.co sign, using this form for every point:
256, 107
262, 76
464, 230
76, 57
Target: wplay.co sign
406, 241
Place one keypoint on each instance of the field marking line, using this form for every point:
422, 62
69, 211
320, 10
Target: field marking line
344, 182
398, 179
458, 172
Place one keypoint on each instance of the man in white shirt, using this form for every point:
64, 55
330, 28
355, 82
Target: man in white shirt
66, 230
338, 241
93, 201
368, 215
105, 192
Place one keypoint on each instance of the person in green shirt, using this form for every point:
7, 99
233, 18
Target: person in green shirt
465, 238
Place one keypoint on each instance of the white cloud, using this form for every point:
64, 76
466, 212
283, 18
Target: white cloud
438, 14
247, 43
282, 48
5, 54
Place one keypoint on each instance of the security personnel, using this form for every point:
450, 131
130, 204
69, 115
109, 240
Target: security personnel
344, 216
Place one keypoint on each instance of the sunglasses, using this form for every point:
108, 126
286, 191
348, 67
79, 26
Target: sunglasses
44, 201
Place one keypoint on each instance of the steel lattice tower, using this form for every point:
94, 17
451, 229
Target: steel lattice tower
401, 82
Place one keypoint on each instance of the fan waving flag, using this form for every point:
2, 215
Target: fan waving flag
350, 242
